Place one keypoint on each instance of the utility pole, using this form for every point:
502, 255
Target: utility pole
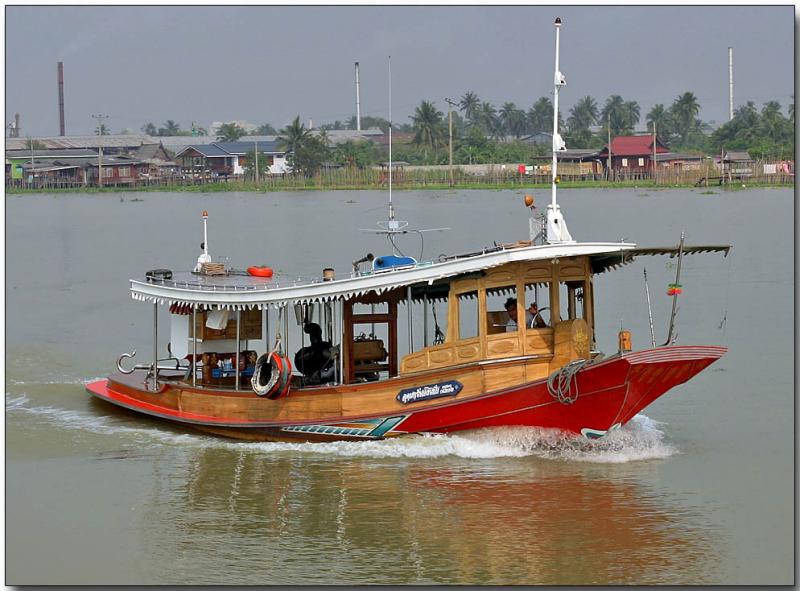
33, 164
100, 119
450, 105
256, 162
654, 152
608, 165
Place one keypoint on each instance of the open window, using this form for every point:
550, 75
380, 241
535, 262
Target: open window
468, 325
498, 319
538, 294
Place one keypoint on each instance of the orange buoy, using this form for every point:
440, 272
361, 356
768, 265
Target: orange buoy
257, 271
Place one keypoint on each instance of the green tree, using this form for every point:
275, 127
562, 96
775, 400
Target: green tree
540, 116
772, 124
149, 129
512, 120
170, 128
469, 104
229, 132
429, 127
619, 115
265, 129
684, 112
369, 122
582, 115
356, 154
306, 152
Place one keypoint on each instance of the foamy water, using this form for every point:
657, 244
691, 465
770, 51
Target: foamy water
641, 439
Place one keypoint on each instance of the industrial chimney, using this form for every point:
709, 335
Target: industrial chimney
61, 130
358, 101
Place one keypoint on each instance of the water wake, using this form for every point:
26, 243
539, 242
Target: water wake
641, 439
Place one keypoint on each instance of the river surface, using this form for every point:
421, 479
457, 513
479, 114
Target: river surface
697, 490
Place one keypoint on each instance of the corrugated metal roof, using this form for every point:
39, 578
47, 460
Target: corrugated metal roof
243, 146
76, 153
81, 141
634, 145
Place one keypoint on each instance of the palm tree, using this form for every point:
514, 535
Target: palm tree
512, 120
149, 129
293, 136
469, 104
229, 132
659, 116
582, 115
170, 128
540, 115
615, 115
631, 114
772, 122
429, 126
488, 120
684, 112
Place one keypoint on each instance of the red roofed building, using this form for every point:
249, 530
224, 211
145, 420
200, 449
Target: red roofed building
632, 155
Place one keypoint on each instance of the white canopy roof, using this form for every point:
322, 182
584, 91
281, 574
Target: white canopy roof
238, 292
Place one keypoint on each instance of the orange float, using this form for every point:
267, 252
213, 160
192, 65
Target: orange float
256, 271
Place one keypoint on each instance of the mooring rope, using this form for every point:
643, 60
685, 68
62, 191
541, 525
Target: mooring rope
559, 384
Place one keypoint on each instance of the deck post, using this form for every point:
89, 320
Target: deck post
425, 319
194, 346
238, 345
155, 345
410, 321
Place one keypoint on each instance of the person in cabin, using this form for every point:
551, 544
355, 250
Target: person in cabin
315, 360
532, 317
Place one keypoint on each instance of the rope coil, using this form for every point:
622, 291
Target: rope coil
559, 383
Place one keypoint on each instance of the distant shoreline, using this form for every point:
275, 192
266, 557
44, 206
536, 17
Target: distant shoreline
249, 187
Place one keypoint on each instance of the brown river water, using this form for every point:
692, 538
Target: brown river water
697, 490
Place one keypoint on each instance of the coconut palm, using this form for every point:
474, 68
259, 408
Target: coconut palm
772, 123
512, 120
615, 114
469, 103
684, 112
658, 115
632, 115
293, 136
540, 116
429, 126
170, 128
488, 120
582, 115
229, 132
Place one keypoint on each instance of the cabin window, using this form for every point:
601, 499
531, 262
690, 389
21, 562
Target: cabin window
124, 171
571, 299
497, 317
539, 294
108, 172
641, 161
468, 315
625, 162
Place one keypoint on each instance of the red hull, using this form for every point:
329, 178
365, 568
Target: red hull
609, 394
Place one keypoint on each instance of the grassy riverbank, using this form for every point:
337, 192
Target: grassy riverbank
313, 185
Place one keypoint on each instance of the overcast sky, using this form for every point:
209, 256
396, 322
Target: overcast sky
269, 64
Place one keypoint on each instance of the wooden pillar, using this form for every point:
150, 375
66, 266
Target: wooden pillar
392, 336
347, 342
555, 296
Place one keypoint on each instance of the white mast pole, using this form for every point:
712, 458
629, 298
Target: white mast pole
557, 85
556, 226
205, 233
391, 208
358, 101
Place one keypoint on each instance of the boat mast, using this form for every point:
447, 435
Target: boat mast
391, 208
556, 226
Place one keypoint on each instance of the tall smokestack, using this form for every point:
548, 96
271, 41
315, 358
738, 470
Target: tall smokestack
358, 101
61, 99
730, 83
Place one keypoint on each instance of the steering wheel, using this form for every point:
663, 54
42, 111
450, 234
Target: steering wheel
538, 315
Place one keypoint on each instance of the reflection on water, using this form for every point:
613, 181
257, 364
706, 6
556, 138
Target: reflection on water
288, 518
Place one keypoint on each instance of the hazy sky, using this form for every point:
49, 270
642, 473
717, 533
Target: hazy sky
269, 64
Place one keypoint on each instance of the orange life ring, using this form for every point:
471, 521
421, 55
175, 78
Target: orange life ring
256, 271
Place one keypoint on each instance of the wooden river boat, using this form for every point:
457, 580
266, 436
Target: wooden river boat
230, 367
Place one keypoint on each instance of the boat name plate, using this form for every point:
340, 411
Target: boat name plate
427, 392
